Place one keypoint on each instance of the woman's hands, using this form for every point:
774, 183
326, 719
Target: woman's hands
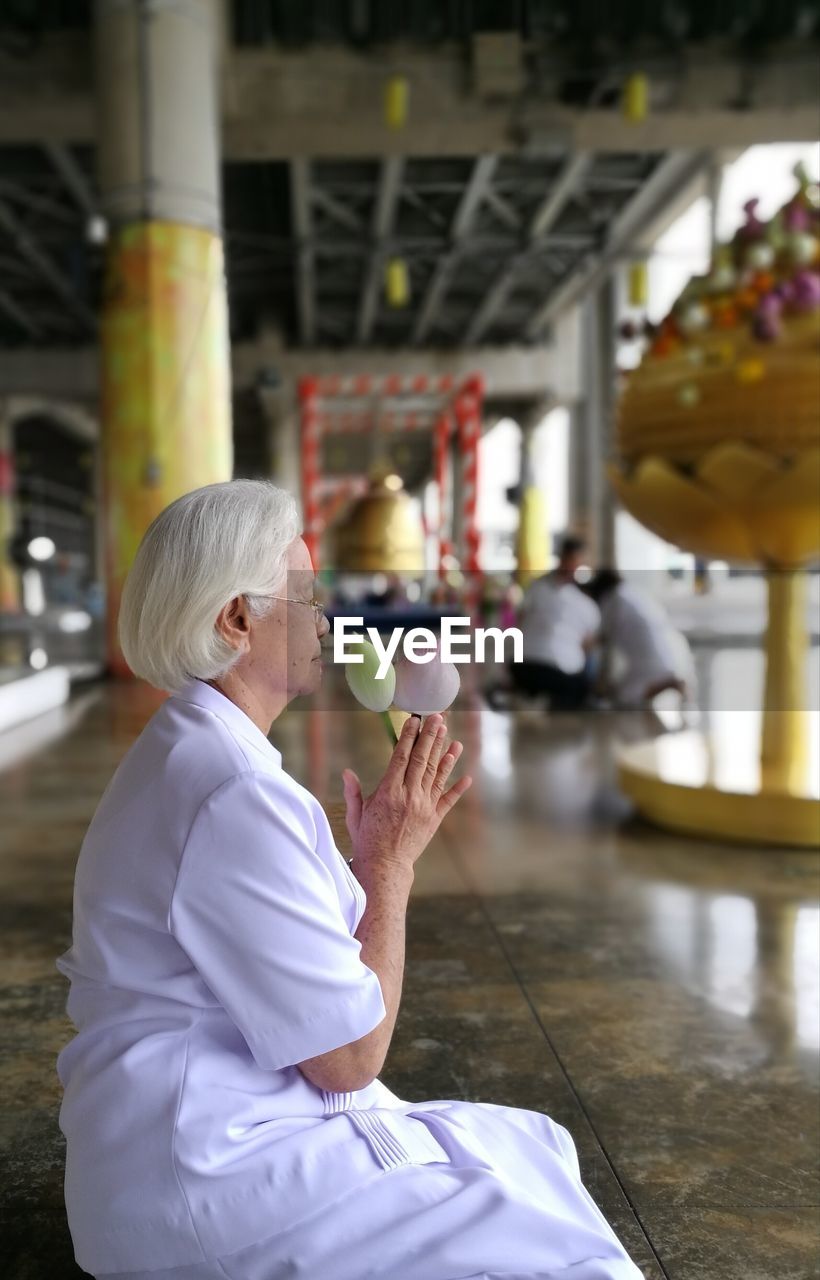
389, 830
396, 823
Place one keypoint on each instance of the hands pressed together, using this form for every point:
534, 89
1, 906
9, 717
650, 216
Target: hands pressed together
395, 824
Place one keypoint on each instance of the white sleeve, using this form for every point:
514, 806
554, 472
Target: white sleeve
593, 621
257, 912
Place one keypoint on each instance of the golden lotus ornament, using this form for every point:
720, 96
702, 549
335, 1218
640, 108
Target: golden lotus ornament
734, 476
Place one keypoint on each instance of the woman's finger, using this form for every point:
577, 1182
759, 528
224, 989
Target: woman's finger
401, 752
445, 768
421, 751
434, 756
452, 796
353, 800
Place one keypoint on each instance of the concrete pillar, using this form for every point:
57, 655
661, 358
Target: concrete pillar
166, 412
592, 507
580, 479
282, 417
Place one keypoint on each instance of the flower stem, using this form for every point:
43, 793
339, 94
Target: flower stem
388, 724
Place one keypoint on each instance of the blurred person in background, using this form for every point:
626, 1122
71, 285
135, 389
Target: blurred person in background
646, 656
559, 624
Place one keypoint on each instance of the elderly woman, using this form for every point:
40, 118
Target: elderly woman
235, 983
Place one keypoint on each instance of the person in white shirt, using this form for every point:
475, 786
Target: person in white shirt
235, 983
559, 624
648, 655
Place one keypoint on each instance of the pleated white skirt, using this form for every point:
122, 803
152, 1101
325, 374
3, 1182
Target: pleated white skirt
510, 1205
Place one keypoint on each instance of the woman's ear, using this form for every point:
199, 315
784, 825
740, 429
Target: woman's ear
233, 623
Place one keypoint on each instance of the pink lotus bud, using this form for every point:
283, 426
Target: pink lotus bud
806, 294
424, 688
796, 217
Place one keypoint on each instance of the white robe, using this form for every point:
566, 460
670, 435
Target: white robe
648, 649
213, 949
557, 622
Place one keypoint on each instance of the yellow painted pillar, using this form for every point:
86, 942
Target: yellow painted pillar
785, 739
9, 574
531, 544
531, 555
166, 413
165, 383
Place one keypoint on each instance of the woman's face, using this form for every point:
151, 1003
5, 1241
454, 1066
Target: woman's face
284, 656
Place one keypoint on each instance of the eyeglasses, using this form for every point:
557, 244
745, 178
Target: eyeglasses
316, 605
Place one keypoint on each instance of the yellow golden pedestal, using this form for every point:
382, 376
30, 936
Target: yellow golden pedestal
735, 478
713, 784
752, 777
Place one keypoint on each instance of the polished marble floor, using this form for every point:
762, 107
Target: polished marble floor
657, 996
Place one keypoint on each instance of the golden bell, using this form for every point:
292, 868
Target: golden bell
382, 532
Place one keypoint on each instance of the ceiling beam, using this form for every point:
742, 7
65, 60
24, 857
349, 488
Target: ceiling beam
558, 196
305, 260
468, 206
278, 104
27, 246
503, 210
676, 181
336, 210
475, 192
541, 224
493, 301
73, 177
383, 218
17, 194
514, 371
18, 315
425, 208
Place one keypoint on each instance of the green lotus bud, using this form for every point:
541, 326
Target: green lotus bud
374, 693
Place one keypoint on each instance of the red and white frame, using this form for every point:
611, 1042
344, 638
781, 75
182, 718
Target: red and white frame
339, 405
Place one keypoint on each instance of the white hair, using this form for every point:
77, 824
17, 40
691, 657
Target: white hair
202, 551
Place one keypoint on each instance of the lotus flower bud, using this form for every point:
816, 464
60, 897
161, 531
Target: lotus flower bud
374, 693
806, 294
693, 318
760, 255
689, 395
801, 247
723, 277
425, 688
766, 322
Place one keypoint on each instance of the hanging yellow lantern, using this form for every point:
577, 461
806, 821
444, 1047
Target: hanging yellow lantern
635, 101
396, 101
638, 284
397, 283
